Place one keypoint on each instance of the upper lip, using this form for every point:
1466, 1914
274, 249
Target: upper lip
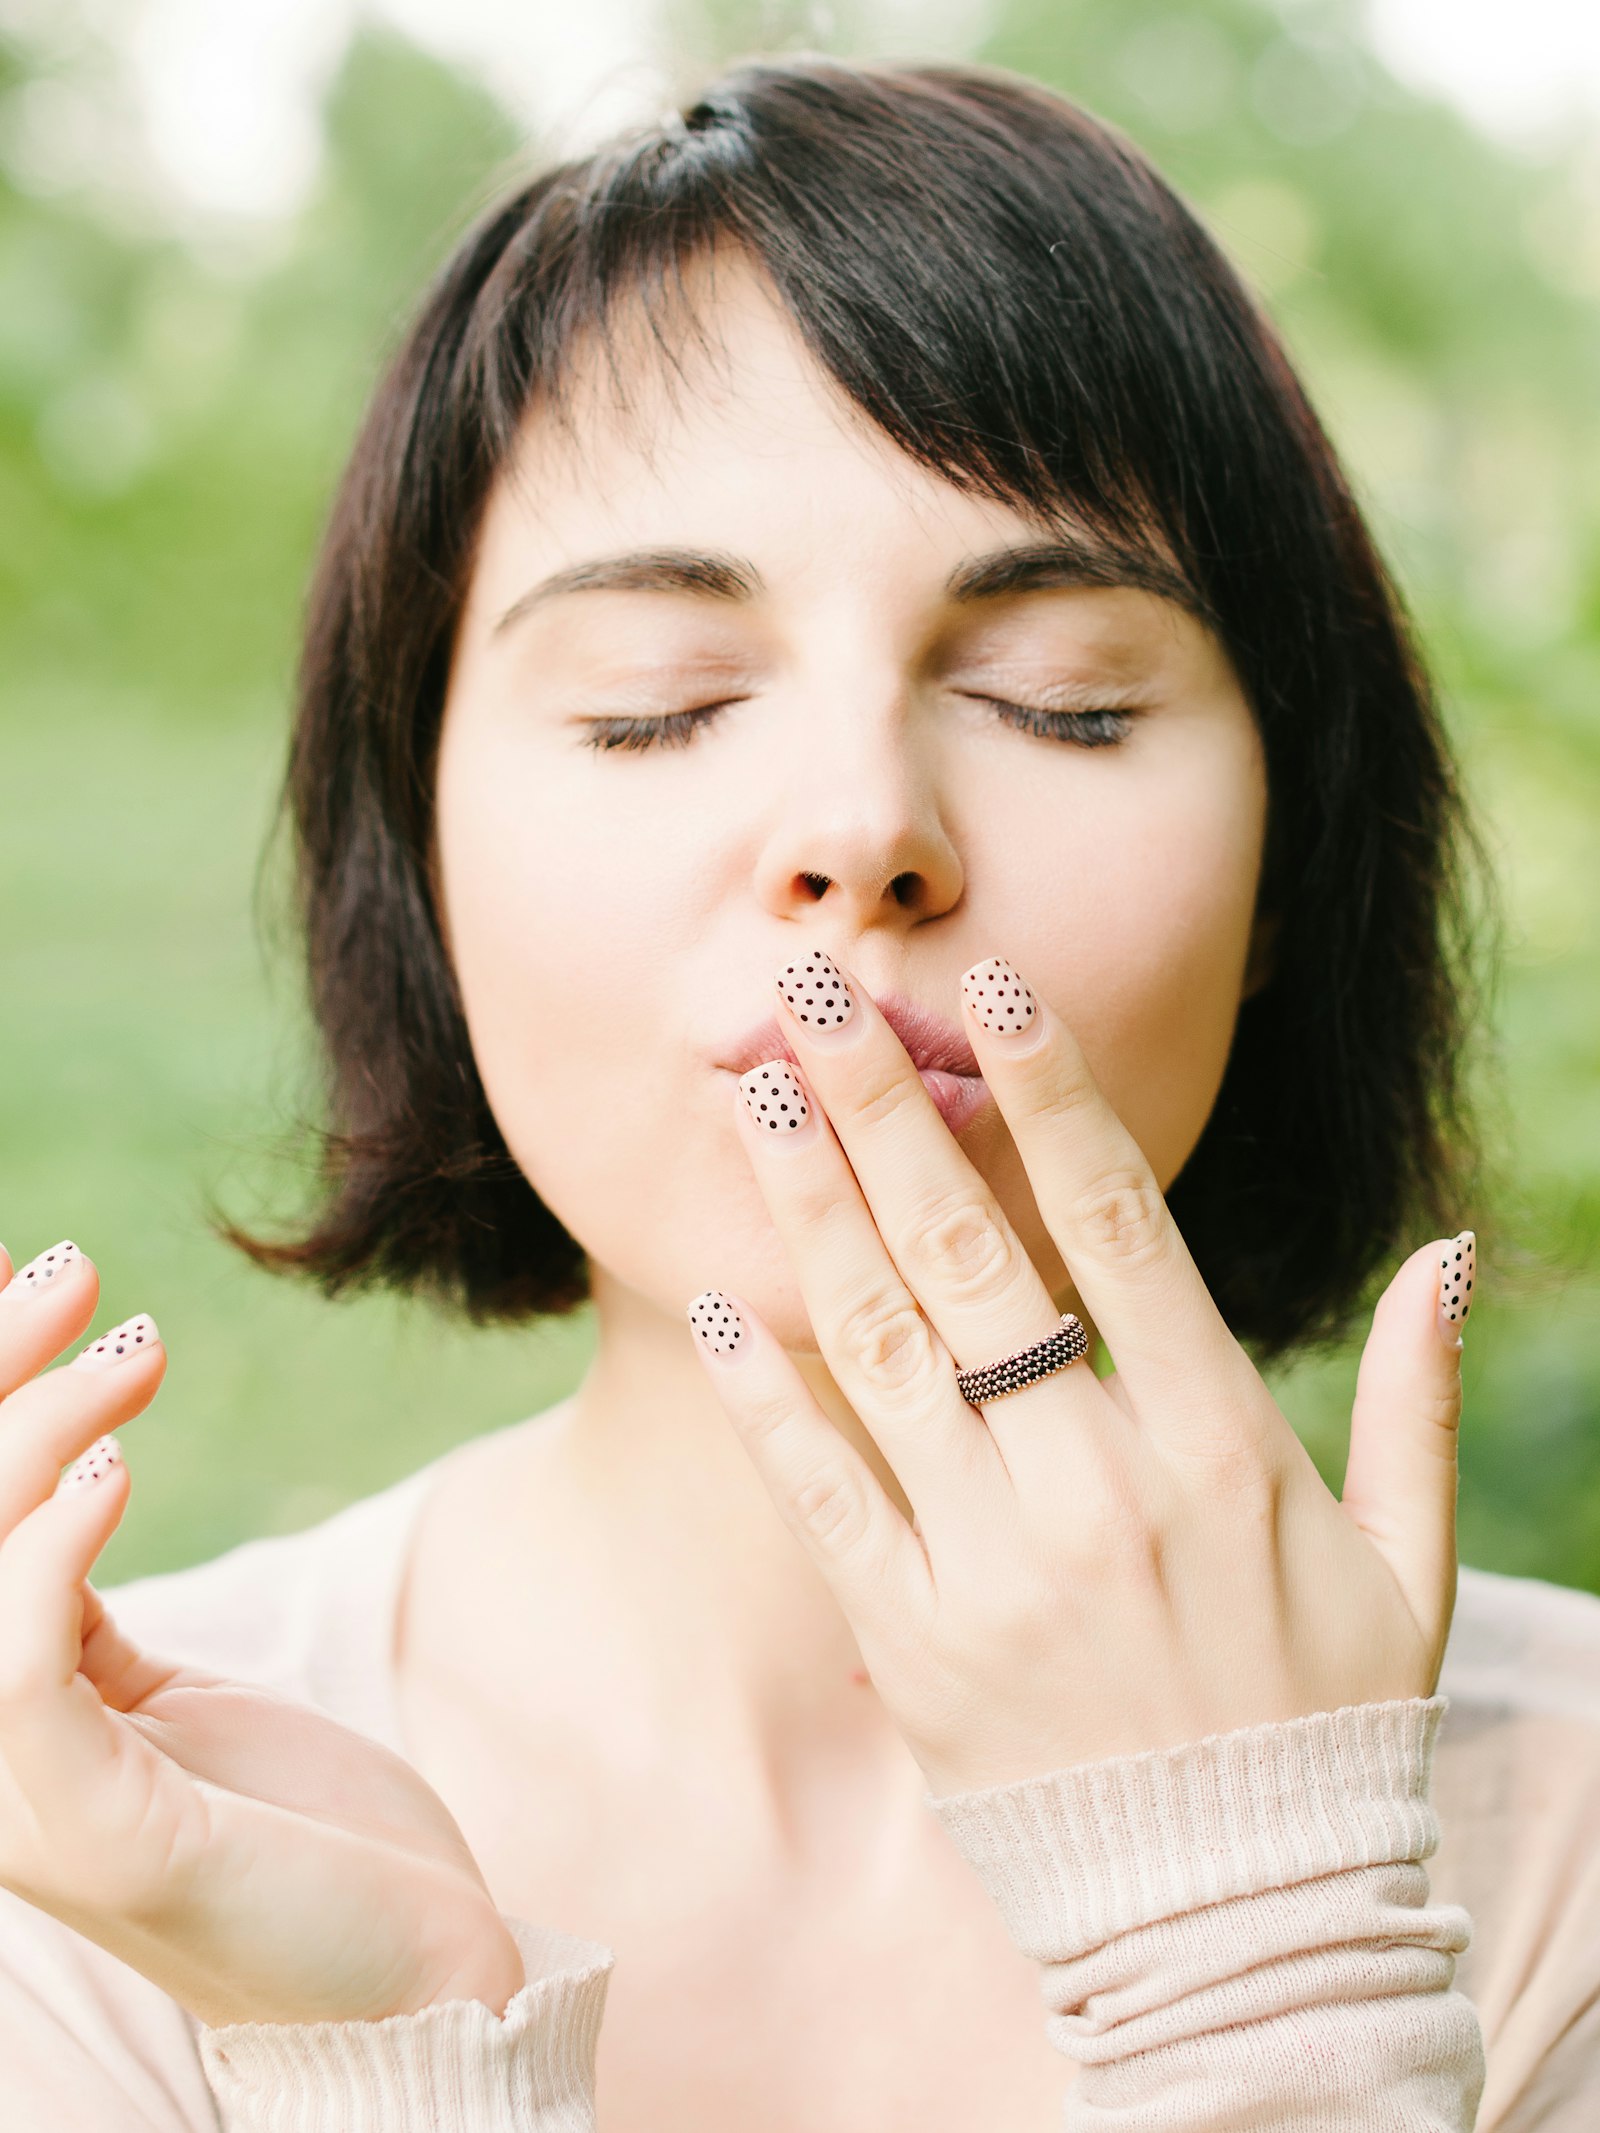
929, 1039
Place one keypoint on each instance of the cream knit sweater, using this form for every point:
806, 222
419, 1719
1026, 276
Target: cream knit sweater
1239, 1932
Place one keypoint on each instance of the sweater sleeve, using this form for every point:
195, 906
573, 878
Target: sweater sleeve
1233, 1933
1237, 1931
454, 2068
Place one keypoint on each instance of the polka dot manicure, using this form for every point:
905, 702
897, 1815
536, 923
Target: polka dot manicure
1456, 1270
998, 997
98, 1460
129, 1338
815, 989
775, 1097
718, 1326
42, 1273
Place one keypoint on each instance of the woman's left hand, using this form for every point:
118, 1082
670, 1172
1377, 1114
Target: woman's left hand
1097, 1566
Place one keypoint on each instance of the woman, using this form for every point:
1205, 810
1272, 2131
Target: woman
864, 800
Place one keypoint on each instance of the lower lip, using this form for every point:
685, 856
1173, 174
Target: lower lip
957, 1097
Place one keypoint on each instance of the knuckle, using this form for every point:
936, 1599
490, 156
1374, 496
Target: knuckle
764, 1416
889, 1341
1118, 1538
1122, 1216
1441, 1418
1073, 1087
1131, 1554
1230, 1466
832, 1511
959, 1236
892, 1096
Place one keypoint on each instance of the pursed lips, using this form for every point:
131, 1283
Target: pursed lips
930, 1041
941, 1054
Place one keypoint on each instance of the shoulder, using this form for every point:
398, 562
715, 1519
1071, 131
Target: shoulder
1516, 1787
1523, 1645
1520, 1737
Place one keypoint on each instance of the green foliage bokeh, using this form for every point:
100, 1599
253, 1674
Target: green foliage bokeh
171, 424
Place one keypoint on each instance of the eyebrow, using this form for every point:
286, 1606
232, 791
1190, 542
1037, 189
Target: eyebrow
1035, 566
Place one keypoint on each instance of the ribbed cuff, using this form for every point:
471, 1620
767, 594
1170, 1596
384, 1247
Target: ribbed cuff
454, 2068
1082, 1854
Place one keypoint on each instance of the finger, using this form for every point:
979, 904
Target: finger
43, 1306
56, 1414
1100, 1201
56, 1737
884, 1355
1401, 1473
824, 1490
949, 1238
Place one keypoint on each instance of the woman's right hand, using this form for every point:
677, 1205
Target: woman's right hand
254, 1858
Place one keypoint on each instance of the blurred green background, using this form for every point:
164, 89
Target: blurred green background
173, 414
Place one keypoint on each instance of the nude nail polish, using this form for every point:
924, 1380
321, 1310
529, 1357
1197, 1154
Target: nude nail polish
96, 1463
815, 990
998, 998
775, 1098
1457, 1269
717, 1325
132, 1336
45, 1271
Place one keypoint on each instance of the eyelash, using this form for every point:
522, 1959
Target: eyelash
1081, 729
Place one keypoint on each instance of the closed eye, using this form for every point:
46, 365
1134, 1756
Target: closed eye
675, 730
1082, 729
1085, 729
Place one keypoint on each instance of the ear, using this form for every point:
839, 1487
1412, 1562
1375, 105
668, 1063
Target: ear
1263, 957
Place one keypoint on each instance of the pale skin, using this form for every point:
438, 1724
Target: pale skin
708, 1571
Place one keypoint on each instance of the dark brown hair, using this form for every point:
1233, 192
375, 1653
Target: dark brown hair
1007, 287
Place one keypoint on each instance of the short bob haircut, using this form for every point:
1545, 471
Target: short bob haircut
1011, 292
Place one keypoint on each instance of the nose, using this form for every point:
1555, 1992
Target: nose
867, 830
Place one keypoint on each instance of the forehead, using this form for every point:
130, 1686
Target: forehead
708, 401
701, 420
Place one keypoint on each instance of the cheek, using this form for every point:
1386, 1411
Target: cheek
1149, 967
564, 928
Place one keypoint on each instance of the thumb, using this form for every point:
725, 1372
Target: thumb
1400, 1477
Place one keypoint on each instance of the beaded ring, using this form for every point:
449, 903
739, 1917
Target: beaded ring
992, 1381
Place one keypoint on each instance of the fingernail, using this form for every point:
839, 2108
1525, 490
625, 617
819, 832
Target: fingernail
999, 999
1456, 1270
717, 1324
42, 1273
126, 1339
774, 1098
97, 1461
815, 991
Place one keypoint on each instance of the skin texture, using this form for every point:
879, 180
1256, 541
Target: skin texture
614, 917
672, 1660
617, 918
706, 1574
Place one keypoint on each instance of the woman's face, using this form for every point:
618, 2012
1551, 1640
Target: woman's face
616, 916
